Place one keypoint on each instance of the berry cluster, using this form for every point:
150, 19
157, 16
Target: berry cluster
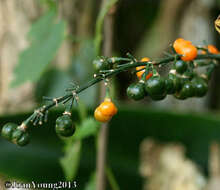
16, 134
20, 136
183, 81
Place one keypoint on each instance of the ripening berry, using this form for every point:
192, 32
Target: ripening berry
140, 73
108, 108
186, 49
105, 111
212, 49
100, 117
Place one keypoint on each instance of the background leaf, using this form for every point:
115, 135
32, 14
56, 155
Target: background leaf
70, 161
91, 184
88, 127
46, 37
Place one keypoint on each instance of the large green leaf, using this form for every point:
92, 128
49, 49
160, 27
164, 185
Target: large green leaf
46, 37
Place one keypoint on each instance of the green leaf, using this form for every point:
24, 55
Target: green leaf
91, 185
46, 40
88, 127
38, 32
70, 161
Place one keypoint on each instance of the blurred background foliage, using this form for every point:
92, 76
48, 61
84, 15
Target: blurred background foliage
45, 45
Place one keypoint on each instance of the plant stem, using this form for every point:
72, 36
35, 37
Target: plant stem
103, 133
123, 67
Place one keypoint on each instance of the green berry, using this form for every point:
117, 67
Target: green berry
65, 126
176, 81
8, 129
180, 66
156, 87
136, 91
158, 97
101, 63
200, 86
187, 91
170, 86
20, 137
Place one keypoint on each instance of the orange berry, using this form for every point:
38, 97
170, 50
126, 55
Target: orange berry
145, 59
212, 49
105, 111
140, 73
149, 75
179, 43
186, 49
189, 53
108, 108
100, 117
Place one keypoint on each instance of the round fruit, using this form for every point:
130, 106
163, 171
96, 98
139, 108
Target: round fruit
20, 137
189, 53
180, 66
140, 73
100, 117
108, 108
212, 49
200, 87
101, 63
176, 81
8, 129
187, 90
156, 87
105, 111
65, 126
136, 91
179, 43
170, 86
186, 49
